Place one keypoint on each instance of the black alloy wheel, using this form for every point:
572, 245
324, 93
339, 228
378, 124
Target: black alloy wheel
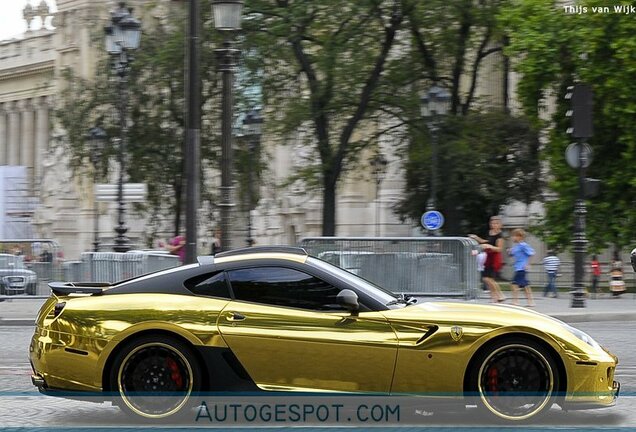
155, 377
516, 380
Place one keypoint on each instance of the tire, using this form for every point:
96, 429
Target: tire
31, 289
515, 380
154, 377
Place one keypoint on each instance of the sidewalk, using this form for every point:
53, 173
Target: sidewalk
604, 308
23, 312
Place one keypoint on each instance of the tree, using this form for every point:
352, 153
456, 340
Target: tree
155, 151
553, 48
450, 41
487, 160
336, 54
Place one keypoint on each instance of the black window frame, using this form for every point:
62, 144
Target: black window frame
190, 283
283, 265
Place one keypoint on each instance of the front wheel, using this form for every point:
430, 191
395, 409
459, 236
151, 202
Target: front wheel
155, 376
515, 380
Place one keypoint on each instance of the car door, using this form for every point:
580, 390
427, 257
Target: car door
287, 331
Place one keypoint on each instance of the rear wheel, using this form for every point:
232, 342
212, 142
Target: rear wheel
515, 380
155, 376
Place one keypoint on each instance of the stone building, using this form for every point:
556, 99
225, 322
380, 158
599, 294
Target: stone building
30, 70
30, 79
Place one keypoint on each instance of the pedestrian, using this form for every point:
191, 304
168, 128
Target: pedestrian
481, 260
551, 265
493, 246
176, 246
521, 252
617, 284
216, 242
596, 274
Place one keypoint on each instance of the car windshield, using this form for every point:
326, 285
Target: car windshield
382, 295
11, 262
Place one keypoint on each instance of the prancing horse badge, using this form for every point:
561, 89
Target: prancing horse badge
456, 333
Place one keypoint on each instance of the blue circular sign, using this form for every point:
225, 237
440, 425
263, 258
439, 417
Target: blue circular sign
432, 220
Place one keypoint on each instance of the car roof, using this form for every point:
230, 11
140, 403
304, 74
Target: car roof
289, 253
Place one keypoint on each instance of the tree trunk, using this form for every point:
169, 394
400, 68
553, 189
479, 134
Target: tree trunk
329, 207
177, 206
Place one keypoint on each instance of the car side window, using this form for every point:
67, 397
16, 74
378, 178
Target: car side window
213, 285
280, 286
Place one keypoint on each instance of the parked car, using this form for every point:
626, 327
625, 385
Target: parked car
273, 319
15, 278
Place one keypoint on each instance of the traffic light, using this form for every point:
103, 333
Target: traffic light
581, 105
591, 187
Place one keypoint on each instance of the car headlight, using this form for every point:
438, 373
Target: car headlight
31, 278
583, 336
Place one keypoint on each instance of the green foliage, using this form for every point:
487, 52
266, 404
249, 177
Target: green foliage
156, 115
486, 160
554, 49
320, 66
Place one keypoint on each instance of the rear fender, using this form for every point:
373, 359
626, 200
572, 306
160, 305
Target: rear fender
145, 326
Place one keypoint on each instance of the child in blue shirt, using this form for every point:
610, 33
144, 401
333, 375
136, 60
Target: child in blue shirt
521, 253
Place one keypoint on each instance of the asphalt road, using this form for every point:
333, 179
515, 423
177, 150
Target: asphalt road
22, 406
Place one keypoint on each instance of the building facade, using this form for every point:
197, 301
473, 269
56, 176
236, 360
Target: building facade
31, 79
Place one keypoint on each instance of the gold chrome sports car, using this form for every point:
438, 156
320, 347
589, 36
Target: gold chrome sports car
275, 319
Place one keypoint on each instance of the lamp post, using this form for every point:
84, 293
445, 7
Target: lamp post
122, 37
434, 105
252, 126
378, 169
227, 20
96, 138
193, 132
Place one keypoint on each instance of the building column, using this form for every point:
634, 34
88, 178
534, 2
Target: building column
3, 135
27, 140
41, 137
13, 148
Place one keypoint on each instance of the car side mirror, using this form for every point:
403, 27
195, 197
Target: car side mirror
349, 300
632, 258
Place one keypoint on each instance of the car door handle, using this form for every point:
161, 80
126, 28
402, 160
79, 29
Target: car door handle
235, 316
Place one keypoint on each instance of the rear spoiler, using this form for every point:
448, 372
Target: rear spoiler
67, 288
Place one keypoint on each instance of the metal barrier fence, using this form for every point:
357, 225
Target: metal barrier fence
429, 266
116, 266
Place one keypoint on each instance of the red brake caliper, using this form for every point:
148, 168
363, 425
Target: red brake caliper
493, 375
175, 374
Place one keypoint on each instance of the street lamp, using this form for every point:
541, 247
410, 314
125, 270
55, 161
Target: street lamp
378, 169
122, 36
434, 105
193, 132
96, 138
227, 20
252, 127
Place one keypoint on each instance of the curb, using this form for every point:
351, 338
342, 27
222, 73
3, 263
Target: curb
595, 317
14, 322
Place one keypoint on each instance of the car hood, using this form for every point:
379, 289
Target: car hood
455, 312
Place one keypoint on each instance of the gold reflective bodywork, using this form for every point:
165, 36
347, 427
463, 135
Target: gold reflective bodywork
423, 349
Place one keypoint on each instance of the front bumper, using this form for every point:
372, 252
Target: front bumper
591, 382
604, 402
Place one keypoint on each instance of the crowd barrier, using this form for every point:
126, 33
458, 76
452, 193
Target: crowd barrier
116, 266
428, 266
